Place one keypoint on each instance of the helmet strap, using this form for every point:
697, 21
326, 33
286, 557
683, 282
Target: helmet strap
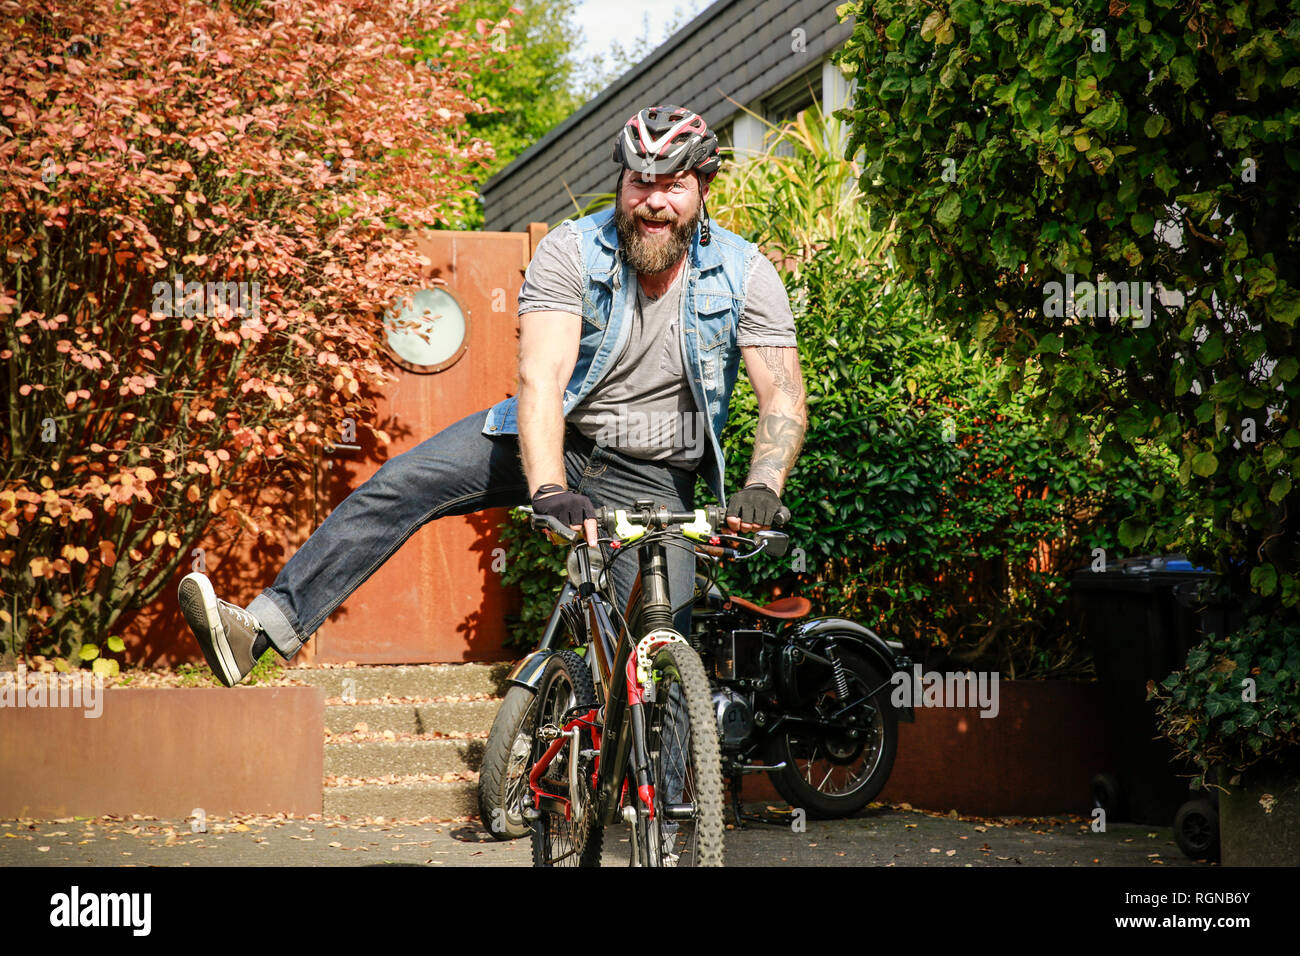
704, 209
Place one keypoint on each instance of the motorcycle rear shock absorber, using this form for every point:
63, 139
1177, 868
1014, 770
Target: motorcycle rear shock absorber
837, 669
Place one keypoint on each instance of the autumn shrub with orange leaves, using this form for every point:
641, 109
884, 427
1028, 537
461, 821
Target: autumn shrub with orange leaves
203, 217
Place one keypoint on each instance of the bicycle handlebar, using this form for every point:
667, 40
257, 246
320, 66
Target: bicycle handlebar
629, 524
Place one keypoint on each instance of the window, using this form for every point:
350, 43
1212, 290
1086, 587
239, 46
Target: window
784, 104
430, 334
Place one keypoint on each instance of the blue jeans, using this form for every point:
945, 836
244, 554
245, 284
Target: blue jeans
458, 471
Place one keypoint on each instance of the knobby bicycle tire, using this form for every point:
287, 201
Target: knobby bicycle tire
685, 762
503, 773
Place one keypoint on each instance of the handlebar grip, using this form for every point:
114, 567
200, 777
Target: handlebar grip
552, 523
781, 518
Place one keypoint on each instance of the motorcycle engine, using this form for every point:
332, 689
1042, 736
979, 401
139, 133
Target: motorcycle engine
735, 718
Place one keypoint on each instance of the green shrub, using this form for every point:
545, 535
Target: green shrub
536, 567
1237, 702
1012, 144
923, 504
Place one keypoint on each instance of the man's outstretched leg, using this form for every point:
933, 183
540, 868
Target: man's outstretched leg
457, 471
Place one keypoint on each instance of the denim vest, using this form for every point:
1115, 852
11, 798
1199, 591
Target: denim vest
711, 308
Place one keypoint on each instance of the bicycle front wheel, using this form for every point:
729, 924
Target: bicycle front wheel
685, 764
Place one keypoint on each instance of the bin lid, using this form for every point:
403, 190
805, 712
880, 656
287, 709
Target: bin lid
1141, 573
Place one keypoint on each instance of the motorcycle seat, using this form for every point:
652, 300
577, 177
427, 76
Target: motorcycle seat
782, 609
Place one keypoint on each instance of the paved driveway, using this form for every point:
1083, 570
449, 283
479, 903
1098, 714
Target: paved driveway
880, 836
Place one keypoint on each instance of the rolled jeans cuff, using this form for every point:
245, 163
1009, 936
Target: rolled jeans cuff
284, 636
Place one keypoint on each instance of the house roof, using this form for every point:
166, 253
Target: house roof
742, 49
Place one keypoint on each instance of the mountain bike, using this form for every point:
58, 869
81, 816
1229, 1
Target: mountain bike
625, 730
805, 700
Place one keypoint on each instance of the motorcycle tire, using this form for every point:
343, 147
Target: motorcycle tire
802, 781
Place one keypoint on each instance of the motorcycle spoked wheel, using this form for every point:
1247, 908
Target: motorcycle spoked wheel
834, 775
560, 838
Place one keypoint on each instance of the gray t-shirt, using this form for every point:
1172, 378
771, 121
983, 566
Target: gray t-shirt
643, 406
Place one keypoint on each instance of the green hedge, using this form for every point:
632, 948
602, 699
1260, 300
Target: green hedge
1015, 144
923, 504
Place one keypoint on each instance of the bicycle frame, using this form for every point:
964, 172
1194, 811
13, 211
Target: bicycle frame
619, 689
625, 682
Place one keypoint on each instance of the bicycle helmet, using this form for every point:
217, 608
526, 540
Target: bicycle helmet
668, 139
663, 140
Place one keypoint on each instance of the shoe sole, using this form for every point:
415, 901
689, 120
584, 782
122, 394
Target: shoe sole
206, 625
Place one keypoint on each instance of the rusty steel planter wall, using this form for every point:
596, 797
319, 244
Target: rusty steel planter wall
164, 752
1035, 758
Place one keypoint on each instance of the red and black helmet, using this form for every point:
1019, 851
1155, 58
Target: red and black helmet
668, 139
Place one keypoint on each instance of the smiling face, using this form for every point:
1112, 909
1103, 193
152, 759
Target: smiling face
656, 218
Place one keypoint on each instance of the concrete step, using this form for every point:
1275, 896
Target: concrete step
403, 757
418, 717
404, 801
407, 680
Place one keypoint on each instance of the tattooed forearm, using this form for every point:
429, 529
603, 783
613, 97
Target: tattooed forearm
776, 446
783, 363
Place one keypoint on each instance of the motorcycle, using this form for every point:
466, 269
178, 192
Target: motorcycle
806, 701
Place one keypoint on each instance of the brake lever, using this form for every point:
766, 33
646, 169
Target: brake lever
553, 524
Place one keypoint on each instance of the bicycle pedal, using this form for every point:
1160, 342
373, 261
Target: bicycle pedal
531, 814
549, 732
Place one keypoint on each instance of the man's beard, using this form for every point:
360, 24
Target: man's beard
653, 254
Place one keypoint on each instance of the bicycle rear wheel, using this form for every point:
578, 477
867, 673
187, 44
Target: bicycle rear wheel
503, 774
685, 765
567, 833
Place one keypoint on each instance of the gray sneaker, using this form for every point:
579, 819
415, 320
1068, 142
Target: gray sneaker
231, 638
